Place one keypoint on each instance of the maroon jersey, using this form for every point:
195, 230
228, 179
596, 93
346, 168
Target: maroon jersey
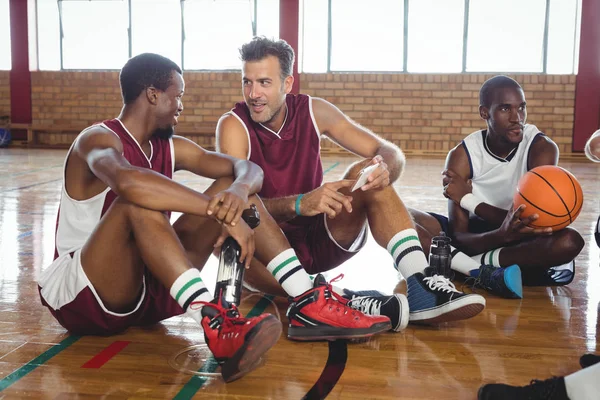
290, 158
77, 219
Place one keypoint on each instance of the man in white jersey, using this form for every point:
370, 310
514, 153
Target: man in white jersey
479, 181
592, 151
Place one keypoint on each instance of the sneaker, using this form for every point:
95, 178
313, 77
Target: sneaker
237, 343
587, 360
395, 307
322, 314
433, 299
559, 275
550, 389
504, 282
349, 294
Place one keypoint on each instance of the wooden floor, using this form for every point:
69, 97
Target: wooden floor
510, 341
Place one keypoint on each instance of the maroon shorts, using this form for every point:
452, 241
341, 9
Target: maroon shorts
315, 247
84, 314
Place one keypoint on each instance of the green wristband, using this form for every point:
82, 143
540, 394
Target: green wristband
298, 213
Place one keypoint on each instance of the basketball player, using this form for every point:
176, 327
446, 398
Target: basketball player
592, 151
479, 181
120, 263
326, 223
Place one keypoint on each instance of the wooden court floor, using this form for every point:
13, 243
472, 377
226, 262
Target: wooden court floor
510, 341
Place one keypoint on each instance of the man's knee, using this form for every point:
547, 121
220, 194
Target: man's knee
569, 242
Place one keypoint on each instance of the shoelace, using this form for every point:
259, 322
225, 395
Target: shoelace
331, 295
437, 282
229, 317
367, 305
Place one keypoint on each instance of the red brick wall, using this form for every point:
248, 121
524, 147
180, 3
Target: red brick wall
4, 93
417, 112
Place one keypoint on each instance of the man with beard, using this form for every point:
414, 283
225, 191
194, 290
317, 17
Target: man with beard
480, 178
326, 224
119, 262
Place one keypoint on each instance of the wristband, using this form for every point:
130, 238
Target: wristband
470, 202
297, 207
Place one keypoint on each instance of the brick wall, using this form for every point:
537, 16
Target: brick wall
4, 93
417, 112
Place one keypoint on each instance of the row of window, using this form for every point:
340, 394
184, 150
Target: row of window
419, 36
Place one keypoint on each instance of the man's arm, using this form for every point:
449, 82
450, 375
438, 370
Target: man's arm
229, 204
101, 150
592, 147
334, 124
543, 151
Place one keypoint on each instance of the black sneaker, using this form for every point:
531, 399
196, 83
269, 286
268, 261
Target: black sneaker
433, 299
395, 307
550, 389
588, 360
503, 282
350, 294
559, 275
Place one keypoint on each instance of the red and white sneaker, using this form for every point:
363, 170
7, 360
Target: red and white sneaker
237, 343
322, 314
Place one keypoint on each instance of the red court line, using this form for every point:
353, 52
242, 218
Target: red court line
105, 355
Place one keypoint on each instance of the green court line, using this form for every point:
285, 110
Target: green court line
330, 168
196, 382
36, 362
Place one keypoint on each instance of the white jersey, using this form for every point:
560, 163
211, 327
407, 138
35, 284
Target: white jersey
494, 178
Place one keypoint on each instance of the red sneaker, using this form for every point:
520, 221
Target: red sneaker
237, 343
322, 314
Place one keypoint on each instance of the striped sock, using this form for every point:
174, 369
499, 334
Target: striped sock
491, 257
463, 263
407, 252
289, 273
188, 287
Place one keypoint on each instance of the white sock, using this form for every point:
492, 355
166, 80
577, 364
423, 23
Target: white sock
289, 273
491, 257
187, 288
462, 262
584, 384
407, 252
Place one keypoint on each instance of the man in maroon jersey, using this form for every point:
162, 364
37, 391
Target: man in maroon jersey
326, 223
119, 261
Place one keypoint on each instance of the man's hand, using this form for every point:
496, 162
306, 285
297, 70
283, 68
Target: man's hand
242, 234
227, 206
379, 178
455, 186
514, 228
326, 199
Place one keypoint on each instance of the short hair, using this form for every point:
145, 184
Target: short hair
491, 85
260, 47
145, 70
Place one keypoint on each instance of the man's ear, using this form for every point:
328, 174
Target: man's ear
288, 83
152, 95
484, 112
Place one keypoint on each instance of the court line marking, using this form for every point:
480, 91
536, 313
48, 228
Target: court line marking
106, 354
334, 368
30, 186
14, 376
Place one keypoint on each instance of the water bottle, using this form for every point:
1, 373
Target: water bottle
439, 255
231, 271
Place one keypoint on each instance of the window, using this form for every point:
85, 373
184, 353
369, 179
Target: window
367, 36
435, 35
48, 35
156, 28
95, 33
5, 60
267, 18
313, 38
562, 36
506, 36
214, 31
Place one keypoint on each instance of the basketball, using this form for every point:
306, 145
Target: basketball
551, 192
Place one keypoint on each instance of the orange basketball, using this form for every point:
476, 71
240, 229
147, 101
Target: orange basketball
551, 192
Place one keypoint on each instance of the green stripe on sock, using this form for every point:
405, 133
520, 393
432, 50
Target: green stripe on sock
406, 239
187, 286
283, 264
491, 259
